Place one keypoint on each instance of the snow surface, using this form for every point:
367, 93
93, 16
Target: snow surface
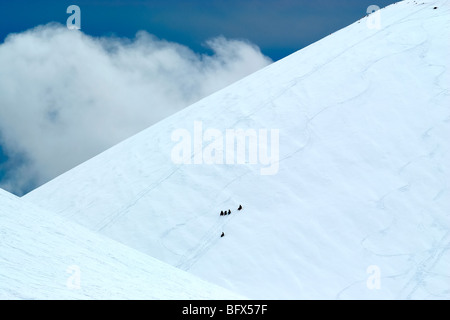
362, 185
43, 256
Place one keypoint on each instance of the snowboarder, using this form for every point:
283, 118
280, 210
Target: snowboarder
240, 208
229, 211
221, 213
222, 235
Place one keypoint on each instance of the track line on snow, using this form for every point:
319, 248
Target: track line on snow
191, 256
424, 267
110, 219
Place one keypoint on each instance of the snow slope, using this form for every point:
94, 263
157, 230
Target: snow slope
45, 257
361, 193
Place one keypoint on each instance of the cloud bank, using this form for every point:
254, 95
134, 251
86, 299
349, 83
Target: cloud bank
66, 96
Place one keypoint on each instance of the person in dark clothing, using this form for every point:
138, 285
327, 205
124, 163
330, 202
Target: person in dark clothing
222, 235
240, 208
221, 213
229, 211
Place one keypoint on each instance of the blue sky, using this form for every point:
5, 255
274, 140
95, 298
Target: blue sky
278, 28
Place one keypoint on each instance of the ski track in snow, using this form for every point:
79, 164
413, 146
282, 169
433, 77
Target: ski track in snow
424, 267
208, 240
193, 254
110, 219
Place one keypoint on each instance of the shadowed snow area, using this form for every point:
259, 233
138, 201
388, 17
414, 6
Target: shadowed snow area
43, 256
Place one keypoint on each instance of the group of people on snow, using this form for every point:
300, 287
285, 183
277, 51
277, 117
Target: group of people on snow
225, 213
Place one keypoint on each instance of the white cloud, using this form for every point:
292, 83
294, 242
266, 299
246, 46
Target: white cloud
66, 96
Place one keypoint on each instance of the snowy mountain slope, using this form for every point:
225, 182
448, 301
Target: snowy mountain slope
45, 257
361, 191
